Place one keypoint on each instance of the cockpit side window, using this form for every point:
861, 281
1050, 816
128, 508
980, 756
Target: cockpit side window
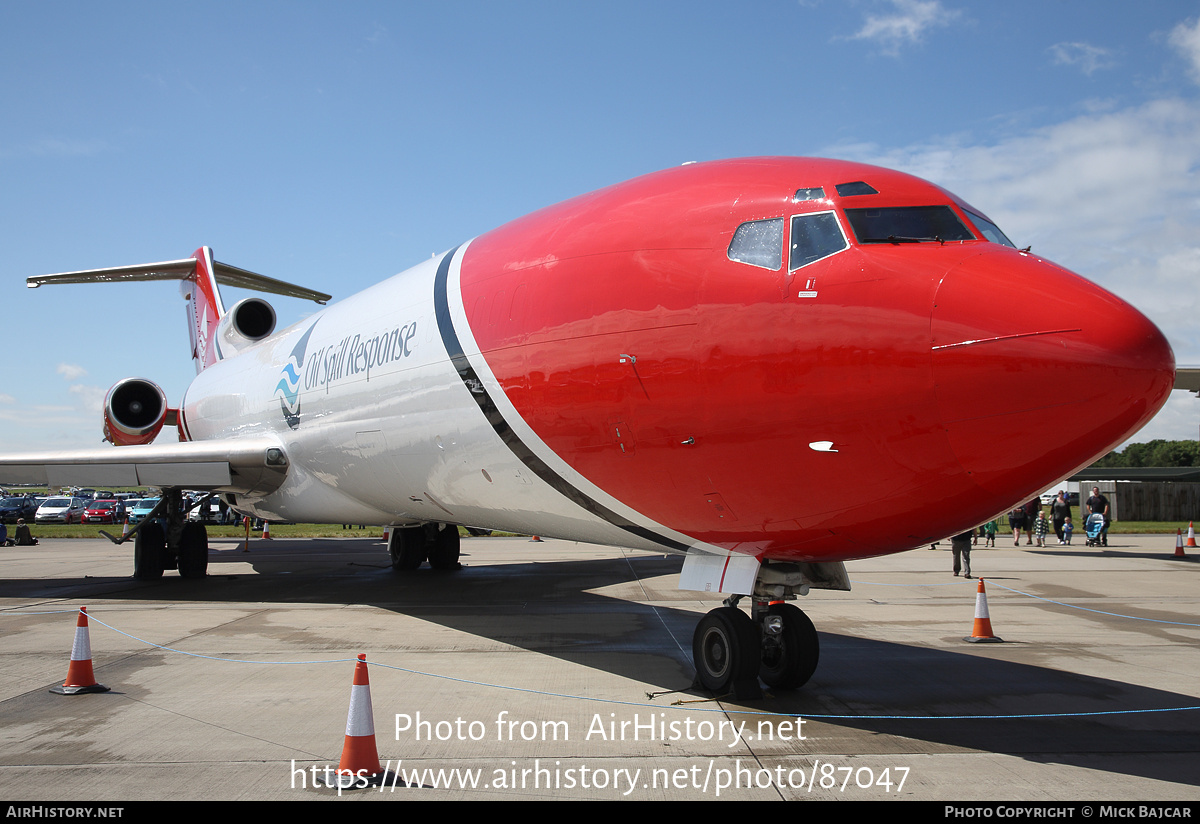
907, 224
814, 236
759, 243
989, 230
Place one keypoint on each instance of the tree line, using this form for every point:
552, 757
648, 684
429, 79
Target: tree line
1154, 453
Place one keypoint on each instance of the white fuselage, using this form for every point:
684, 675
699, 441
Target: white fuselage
385, 430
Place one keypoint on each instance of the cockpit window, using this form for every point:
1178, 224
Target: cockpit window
990, 230
759, 243
858, 187
814, 236
816, 193
907, 224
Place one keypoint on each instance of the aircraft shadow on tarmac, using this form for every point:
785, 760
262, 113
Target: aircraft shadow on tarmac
1111, 551
551, 608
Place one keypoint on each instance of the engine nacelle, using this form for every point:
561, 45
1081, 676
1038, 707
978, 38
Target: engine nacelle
135, 409
249, 321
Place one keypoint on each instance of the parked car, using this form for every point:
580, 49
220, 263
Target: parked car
209, 512
25, 506
139, 509
104, 512
60, 511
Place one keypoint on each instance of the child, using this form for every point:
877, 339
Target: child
989, 532
1040, 527
1067, 531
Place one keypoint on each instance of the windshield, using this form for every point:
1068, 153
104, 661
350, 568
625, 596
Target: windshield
907, 224
990, 230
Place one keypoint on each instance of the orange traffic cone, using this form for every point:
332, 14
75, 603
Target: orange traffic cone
1191, 541
360, 765
1179, 544
125, 529
266, 530
80, 678
535, 539
982, 632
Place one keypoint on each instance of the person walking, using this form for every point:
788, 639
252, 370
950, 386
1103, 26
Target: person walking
960, 545
1098, 504
1060, 511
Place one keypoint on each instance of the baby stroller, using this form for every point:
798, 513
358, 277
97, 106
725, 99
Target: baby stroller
1094, 526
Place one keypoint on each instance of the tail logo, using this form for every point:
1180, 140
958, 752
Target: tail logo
288, 388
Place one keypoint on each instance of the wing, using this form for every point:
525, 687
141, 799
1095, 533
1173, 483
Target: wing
1188, 377
241, 465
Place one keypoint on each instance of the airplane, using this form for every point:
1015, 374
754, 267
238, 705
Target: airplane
770, 365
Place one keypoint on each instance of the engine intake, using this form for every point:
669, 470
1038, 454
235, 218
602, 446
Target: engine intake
246, 323
135, 409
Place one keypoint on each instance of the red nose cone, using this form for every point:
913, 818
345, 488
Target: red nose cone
1039, 371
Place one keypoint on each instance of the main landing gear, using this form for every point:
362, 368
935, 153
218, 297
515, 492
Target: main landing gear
410, 546
167, 540
732, 650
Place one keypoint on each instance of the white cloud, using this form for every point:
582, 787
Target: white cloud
1185, 38
70, 371
1114, 196
378, 35
62, 418
1176, 421
906, 25
91, 397
54, 147
1087, 57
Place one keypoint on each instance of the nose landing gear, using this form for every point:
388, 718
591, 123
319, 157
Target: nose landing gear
732, 650
790, 648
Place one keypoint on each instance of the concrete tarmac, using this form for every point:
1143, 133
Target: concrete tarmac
527, 675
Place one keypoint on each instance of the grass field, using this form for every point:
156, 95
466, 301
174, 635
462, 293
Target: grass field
336, 530
1122, 528
277, 531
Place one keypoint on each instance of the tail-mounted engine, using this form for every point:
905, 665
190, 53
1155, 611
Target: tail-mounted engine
247, 322
135, 409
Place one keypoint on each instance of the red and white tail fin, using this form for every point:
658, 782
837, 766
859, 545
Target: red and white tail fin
200, 275
205, 309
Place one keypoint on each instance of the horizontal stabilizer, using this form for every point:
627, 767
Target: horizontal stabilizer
225, 275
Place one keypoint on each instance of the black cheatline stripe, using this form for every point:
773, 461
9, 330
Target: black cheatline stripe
487, 406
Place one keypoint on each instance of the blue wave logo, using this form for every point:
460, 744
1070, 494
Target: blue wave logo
288, 388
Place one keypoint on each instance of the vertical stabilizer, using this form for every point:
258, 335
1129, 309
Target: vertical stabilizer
204, 309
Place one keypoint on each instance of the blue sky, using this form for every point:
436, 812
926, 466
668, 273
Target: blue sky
335, 144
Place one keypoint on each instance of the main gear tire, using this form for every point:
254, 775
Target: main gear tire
193, 551
149, 552
444, 549
407, 547
725, 649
